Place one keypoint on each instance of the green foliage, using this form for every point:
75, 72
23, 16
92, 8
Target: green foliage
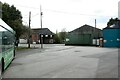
112, 21
56, 38
13, 18
21, 48
0, 9
60, 37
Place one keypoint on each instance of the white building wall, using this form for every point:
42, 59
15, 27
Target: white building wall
23, 41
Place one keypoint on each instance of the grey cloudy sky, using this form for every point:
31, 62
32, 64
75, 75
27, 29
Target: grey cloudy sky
68, 14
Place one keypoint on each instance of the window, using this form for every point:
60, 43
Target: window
46, 35
51, 36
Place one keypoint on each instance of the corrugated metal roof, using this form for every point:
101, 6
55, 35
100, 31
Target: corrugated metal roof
85, 28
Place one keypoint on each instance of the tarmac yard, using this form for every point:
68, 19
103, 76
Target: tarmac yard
59, 61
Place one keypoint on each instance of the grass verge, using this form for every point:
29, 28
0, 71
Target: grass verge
21, 48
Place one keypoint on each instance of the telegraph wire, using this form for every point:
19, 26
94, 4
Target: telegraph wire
27, 7
57, 11
63, 12
71, 13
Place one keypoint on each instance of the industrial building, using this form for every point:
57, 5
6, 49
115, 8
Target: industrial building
111, 35
84, 35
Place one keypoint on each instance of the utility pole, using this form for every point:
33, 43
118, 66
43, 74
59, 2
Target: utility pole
41, 36
95, 23
29, 30
95, 33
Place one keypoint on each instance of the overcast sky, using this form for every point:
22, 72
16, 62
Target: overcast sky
68, 14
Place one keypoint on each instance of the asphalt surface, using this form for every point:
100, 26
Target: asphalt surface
59, 61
